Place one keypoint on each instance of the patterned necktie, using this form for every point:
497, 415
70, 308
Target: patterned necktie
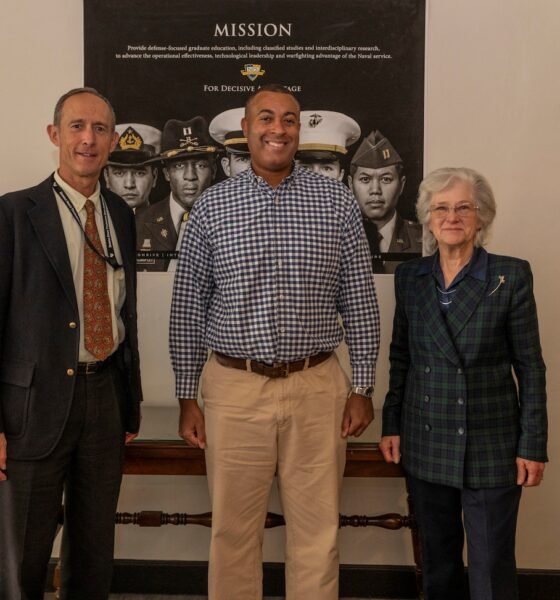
98, 330
374, 239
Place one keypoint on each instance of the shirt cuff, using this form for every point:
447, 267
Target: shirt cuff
363, 375
186, 387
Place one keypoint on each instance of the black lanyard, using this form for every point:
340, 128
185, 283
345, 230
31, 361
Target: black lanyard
110, 259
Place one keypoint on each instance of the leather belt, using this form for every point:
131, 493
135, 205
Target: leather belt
274, 370
91, 368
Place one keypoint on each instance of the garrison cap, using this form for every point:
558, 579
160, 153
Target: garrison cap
186, 138
375, 152
225, 128
138, 145
325, 134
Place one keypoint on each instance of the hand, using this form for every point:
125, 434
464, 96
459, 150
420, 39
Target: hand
358, 414
3, 457
191, 423
529, 472
128, 437
390, 446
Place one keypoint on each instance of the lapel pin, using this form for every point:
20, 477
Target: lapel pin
501, 281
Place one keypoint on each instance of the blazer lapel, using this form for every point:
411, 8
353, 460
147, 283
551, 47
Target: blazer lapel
164, 234
45, 218
430, 311
121, 230
472, 291
128, 253
400, 241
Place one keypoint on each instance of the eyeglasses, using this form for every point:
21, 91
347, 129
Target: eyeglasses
463, 211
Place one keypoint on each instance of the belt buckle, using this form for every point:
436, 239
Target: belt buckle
284, 368
91, 368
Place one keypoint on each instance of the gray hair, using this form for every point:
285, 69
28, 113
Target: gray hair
81, 90
440, 180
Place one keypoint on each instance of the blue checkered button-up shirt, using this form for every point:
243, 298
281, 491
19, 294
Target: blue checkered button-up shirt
265, 272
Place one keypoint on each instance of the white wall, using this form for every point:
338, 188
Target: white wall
493, 103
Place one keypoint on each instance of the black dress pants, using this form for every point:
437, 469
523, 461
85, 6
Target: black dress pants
87, 465
489, 519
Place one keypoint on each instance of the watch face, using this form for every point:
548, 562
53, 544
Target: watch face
363, 391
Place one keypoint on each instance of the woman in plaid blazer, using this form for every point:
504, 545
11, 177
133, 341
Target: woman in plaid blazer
470, 434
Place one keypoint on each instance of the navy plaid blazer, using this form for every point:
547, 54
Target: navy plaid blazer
467, 391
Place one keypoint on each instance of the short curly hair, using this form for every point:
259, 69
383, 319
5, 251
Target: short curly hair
440, 180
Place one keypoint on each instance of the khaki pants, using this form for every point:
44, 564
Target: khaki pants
256, 426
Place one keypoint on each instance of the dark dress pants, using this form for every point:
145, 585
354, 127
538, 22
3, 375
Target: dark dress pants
87, 465
489, 519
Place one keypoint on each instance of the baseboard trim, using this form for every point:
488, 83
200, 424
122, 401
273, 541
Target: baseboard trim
358, 581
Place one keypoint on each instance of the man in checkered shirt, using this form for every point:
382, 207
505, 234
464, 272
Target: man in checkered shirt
270, 260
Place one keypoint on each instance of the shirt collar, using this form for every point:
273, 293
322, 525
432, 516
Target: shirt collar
475, 268
78, 199
177, 211
386, 232
288, 180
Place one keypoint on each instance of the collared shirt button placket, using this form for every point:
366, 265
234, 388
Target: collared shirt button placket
281, 283
275, 291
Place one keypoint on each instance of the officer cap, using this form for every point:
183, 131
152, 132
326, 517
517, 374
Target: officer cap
326, 135
186, 138
375, 152
225, 128
138, 145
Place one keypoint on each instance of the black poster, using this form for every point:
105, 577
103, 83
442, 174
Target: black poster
358, 62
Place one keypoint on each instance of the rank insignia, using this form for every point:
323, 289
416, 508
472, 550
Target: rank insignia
130, 139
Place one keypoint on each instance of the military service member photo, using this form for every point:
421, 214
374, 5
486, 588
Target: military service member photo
225, 128
188, 157
377, 180
323, 141
131, 171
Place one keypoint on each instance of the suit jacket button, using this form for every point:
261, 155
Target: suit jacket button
427, 427
426, 398
460, 431
72, 325
70, 372
427, 370
460, 401
459, 371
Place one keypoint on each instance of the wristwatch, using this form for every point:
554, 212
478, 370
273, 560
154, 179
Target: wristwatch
362, 391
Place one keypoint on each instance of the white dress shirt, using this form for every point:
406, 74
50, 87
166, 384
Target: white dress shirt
75, 241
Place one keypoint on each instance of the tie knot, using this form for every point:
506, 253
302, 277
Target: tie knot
90, 207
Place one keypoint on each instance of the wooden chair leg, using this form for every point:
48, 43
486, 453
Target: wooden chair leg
416, 547
56, 581
56, 574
